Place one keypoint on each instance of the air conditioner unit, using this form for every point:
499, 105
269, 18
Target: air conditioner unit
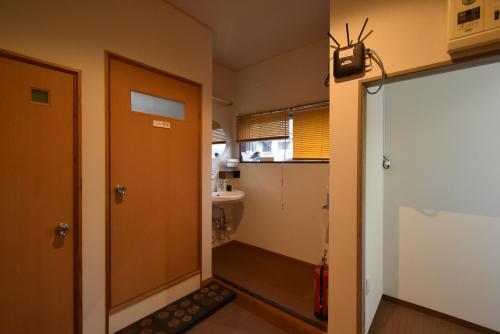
473, 23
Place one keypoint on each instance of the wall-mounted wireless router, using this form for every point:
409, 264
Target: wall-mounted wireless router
350, 59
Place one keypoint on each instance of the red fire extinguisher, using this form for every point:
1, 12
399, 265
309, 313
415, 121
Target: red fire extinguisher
321, 290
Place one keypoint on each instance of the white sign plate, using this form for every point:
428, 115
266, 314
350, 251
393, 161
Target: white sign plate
161, 124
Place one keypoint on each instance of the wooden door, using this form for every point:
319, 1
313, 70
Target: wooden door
37, 193
154, 225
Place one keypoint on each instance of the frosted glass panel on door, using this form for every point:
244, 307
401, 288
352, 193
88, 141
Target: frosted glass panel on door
154, 105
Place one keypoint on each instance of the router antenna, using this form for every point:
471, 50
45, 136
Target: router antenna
347, 32
366, 35
334, 39
362, 29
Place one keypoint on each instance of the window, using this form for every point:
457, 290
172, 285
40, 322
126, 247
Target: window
271, 125
299, 133
269, 150
311, 131
218, 150
218, 140
284, 145
267, 146
158, 106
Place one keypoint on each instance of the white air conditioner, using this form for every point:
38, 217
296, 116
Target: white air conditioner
473, 23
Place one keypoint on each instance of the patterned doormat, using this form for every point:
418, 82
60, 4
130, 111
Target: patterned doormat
183, 314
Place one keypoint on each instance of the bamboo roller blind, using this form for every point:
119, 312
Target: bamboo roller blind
311, 134
264, 126
218, 134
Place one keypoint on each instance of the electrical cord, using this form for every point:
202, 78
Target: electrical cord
327, 79
372, 54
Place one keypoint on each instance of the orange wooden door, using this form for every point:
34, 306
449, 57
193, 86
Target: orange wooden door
37, 193
154, 225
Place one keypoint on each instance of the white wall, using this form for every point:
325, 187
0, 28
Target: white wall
285, 218
292, 78
288, 220
441, 195
224, 82
407, 34
373, 206
76, 33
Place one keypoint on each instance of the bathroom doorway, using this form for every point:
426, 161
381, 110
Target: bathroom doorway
269, 242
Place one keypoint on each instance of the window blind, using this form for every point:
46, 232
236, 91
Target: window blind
218, 134
263, 126
311, 134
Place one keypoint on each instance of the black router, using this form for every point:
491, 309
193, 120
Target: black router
351, 59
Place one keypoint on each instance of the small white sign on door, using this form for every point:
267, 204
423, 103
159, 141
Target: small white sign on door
161, 124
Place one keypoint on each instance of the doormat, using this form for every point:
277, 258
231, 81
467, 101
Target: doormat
184, 313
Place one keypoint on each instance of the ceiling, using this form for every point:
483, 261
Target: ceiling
248, 31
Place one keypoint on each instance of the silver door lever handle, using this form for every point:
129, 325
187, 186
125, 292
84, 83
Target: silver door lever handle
120, 190
62, 230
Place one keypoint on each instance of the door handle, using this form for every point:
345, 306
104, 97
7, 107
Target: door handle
62, 229
120, 190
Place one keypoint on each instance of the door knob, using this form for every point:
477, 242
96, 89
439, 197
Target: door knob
62, 230
120, 190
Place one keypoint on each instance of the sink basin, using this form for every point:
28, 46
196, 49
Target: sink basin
219, 197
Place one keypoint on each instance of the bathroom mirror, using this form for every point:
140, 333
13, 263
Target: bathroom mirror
219, 140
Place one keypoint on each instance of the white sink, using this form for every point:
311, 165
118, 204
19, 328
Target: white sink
219, 197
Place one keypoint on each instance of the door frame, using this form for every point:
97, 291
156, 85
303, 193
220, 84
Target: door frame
108, 55
77, 167
443, 66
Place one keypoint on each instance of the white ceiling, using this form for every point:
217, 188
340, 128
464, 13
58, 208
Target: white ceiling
248, 31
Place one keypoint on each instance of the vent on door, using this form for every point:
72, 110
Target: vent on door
39, 96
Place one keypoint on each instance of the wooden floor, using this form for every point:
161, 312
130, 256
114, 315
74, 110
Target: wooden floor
289, 284
284, 283
392, 318
235, 319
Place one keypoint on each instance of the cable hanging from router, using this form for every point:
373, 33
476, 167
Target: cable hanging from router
374, 55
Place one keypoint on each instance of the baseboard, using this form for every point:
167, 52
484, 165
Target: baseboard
437, 314
270, 313
269, 252
206, 281
152, 292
